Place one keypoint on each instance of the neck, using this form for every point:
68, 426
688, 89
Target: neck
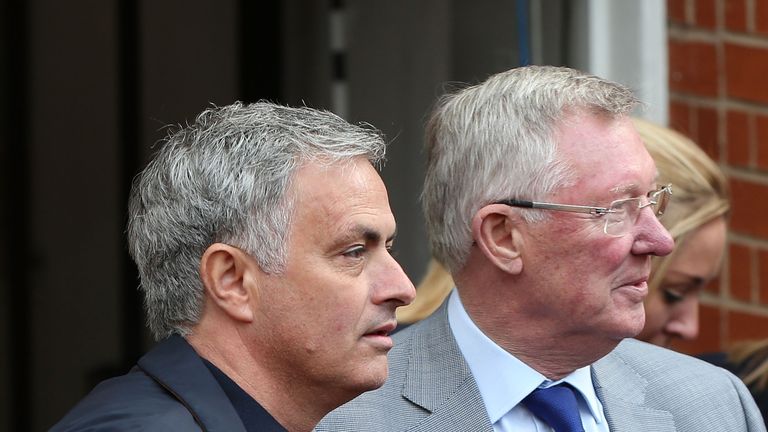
294, 406
532, 337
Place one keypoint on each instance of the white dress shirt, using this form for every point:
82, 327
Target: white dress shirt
504, 381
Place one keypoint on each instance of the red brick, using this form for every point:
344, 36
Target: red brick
693, 68
761, 141
680, 117
710, 322
713, 286
749, 207
745, 72
763, 275
705, 13
744, 326
707, 126
736, 15
740, 259
761, 16
676, 11
737, 127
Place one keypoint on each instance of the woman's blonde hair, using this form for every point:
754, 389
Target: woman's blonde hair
754, 358
699, 188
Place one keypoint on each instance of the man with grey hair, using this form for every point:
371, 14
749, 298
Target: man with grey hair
542, 201
262, 235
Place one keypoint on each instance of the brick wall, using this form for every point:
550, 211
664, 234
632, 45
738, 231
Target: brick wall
718, 82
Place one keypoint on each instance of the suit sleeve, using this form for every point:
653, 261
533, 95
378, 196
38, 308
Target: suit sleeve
752, 417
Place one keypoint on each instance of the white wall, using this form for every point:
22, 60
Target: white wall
625, 41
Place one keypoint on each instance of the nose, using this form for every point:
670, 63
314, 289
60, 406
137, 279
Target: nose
651, 238
684, 322
393, 285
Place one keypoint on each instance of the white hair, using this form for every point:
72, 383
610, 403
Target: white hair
495, 140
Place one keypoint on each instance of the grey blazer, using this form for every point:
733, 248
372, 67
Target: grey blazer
642, 388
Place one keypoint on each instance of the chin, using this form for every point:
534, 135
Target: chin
379, 375
372, 375
377, 382
630, 328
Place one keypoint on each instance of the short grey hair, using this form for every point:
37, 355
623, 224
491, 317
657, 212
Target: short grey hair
226, 178
495, 140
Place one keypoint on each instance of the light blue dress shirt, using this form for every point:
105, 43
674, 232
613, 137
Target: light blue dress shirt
504, 381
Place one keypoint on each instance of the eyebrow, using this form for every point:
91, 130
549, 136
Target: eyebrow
688, 279
368, 233
632, 187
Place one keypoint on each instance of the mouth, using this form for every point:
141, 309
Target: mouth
636, 290
382, 330
378, 333
379, 336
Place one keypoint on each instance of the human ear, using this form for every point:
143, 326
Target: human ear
224, 273
495, 230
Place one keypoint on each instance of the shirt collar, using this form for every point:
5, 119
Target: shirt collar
252, 414
503, 380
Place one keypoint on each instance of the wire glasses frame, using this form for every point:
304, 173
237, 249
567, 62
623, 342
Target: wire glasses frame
620, 216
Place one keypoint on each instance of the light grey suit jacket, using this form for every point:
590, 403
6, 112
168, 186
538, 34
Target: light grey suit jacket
642, 388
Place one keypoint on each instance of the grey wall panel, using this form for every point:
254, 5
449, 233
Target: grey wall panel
189, 61
484, 39
6, 323
399, 56
306, 59
74, 221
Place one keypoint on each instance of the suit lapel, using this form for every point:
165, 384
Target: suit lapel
622, 393
176, 366
438, 379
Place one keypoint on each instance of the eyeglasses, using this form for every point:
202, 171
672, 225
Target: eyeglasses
620, 216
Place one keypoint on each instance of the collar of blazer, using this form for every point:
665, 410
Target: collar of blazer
622, 392
175, 366
438, 379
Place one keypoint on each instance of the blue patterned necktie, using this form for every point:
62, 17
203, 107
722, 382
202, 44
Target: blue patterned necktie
557, 407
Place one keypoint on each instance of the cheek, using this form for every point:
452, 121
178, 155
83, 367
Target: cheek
613, 262
589, 267
594, 243
602, 263
346, 312
615, 250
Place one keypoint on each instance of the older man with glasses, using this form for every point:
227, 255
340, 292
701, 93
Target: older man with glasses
542, 202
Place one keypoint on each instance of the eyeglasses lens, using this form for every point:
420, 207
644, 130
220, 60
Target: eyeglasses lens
623, 214
662, 199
